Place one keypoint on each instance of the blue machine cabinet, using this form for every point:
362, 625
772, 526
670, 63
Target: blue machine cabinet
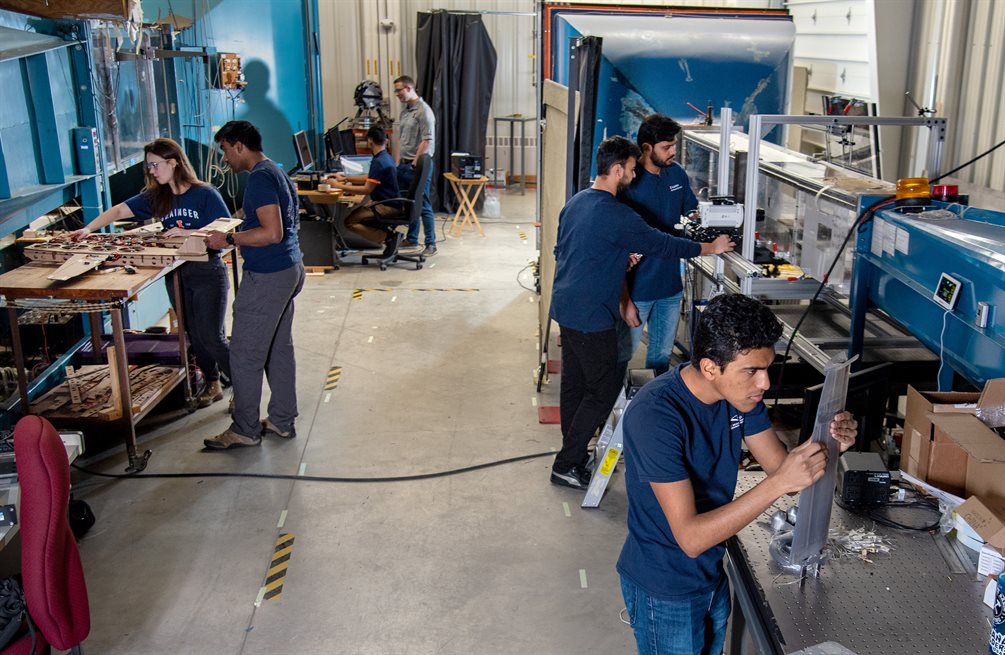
899, 260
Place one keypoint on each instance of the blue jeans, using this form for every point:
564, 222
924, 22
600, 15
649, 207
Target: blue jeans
695, 625
405, 174
662, 316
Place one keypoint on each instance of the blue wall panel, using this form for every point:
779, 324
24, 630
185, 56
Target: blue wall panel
16, 130
270, 37
64, 103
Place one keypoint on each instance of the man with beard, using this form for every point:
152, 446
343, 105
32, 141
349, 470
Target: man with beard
661, 194
596, 233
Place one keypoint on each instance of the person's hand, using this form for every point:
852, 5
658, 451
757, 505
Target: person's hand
177, 232
721, 244
630, 313
804, 465
844, 430
216, 240
77, 235
339, 177
633, 259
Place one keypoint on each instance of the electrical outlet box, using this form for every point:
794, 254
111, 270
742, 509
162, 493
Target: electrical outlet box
229, 75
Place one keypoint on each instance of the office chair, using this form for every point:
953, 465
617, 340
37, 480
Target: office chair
411, 210
51, 572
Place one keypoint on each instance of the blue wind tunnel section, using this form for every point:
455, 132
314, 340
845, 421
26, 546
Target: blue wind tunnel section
899, 258
659, 63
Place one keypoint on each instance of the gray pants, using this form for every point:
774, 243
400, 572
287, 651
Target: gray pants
262, 340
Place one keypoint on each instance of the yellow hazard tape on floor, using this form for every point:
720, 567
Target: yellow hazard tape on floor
331, 380
276, 575
357, 294
523, 236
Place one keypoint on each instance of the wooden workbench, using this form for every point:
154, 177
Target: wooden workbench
94, 293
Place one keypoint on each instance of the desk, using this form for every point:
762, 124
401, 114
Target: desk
330, 198
11, 494
515, 118
462, 189
917, 599
94, 293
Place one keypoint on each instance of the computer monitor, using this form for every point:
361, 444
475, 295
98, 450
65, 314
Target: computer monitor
305, 160
339, 142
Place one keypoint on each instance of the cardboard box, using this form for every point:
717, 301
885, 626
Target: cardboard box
987, 519
915, 450
967, 457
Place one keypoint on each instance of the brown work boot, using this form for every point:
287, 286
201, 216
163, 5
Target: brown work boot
231, 439
211, 394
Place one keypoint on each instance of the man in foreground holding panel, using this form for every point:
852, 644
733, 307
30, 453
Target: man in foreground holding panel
683, 433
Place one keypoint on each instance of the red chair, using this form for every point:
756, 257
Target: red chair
51, 572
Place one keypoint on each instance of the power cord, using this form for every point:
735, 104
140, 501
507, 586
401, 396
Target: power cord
522, 285
942, 347
879, 514
964, 165
313, 478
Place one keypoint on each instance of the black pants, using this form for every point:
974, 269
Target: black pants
205, 285
590, 385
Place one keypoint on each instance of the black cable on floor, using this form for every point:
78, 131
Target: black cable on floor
313, 478
522, 285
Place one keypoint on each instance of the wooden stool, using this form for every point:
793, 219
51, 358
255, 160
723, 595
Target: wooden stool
463, 190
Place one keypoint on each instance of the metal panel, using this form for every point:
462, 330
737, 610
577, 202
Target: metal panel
16, 129
40, 88
862, 605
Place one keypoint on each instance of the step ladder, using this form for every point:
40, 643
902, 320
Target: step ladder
611, 443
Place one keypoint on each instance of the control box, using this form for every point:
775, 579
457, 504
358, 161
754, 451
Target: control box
720, 213
228, 74
466, 166
863, 480
85, 149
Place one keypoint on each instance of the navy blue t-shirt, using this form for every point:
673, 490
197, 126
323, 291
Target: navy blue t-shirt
671, 436
384, 174
199, 206
660, 200
595, 235
269, 185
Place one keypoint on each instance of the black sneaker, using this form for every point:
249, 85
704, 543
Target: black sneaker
576, 477
430, 250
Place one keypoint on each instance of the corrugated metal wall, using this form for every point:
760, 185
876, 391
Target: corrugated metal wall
375, 39
959, 70
354, 47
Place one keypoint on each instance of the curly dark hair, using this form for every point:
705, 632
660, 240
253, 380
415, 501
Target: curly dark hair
733, 324
656, 128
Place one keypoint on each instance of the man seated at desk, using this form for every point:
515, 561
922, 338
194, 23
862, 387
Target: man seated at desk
380, 183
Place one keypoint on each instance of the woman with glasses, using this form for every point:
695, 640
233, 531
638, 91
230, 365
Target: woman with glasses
182, 203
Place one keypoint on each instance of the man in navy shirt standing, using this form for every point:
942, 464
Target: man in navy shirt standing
683, 433
596, 233
380, 183
262, 339
661, 194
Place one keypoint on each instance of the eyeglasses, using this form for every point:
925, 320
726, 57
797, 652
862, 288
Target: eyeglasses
152, 165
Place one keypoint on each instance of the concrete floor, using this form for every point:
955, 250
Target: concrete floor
493, 561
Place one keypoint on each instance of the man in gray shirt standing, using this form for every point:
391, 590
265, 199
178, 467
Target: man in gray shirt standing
416, 133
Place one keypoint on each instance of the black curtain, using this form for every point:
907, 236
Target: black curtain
456, 70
